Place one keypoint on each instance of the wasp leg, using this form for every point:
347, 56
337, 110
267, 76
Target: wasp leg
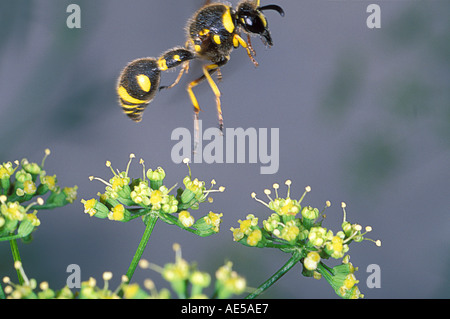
219, 75
249, 43
184, 69
237, 40
173, 58
208, 70
197, 109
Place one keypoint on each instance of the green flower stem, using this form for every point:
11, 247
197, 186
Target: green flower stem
326, 273
296, 256
45, 206
2, 294
16, 257
9, 238
170, 219
144, 240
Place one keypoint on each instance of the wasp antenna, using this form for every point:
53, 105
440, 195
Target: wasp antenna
273, 7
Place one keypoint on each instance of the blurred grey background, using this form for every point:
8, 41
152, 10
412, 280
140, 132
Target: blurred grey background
364, 117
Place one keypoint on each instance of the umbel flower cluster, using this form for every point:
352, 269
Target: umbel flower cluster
298, 230
185, 280
127, 198
189, 282
23, 188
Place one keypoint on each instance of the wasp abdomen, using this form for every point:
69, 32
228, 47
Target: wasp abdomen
139, 80
137, 86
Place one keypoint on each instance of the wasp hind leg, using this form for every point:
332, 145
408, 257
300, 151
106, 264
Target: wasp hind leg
173, 58
184, 69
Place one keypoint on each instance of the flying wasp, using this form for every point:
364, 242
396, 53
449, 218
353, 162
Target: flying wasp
212, 33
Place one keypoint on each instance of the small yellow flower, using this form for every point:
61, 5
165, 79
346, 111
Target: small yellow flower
245, 226
214, 220
89, 206
13, 211
200, 278
289, 207
186, 219
33, 219
290, 231
130, 291
141, 194
178, 271
6, 170
29, 187
230, 279
237, 234
350, 281
337, 243
50, 181
71, 193
117, 213
311, 260
156, 197
254, 238
118, 182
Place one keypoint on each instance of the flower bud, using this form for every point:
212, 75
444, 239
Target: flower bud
156, 177
311, 260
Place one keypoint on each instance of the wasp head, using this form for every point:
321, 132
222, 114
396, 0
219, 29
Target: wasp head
251, 18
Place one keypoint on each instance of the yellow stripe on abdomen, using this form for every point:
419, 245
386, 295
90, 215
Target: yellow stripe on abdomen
127, 97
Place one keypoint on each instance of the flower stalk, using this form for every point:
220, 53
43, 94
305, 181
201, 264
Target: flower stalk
16, 257
151, 221
2, 293
295, 258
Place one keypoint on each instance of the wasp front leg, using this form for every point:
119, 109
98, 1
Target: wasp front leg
237, 40
249, 43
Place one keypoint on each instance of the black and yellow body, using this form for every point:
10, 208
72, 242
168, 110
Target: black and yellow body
140, 80
212, 33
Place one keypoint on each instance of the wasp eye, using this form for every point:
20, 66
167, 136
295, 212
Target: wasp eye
253, 24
